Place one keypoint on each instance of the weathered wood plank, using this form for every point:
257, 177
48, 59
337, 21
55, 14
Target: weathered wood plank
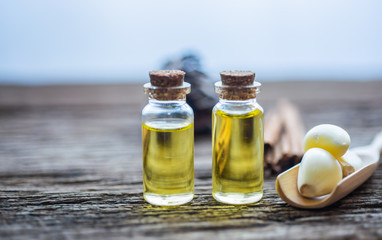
74, 171
105, 214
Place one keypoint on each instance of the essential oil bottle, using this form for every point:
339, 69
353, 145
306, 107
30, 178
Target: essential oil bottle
237, 140
168, 140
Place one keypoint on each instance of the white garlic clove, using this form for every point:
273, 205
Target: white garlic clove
318, 174
350, 162
329, 137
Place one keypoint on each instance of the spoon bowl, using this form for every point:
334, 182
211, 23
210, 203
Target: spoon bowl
286, 182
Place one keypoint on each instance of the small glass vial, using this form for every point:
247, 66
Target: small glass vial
168, 140
237, 140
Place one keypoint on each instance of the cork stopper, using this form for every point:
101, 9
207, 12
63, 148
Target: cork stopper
237, 85
237, 78
167, 78
167, 85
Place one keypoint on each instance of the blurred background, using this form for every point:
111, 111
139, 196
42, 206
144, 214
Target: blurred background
93, 41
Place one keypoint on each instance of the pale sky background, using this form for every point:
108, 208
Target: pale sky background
83, 41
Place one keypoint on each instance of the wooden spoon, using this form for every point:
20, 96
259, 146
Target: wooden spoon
286, 182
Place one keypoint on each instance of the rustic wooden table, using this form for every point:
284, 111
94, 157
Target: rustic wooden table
70, 168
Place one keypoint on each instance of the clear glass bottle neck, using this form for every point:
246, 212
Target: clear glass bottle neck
237, 102
176, 102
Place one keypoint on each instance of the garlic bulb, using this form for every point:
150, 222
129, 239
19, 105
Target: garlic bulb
350, 162
329, 137
319, 173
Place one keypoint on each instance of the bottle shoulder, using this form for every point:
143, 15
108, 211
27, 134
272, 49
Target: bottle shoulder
237, 108
167, 114
157, 108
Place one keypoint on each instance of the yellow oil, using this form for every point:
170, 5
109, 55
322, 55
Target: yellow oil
237, 157
168, 164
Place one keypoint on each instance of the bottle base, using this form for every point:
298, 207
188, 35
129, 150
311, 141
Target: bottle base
168, 200
237, 198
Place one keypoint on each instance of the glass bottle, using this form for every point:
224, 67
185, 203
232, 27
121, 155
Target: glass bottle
168, 140
237, 140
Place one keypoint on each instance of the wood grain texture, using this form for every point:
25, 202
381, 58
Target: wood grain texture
72, 169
